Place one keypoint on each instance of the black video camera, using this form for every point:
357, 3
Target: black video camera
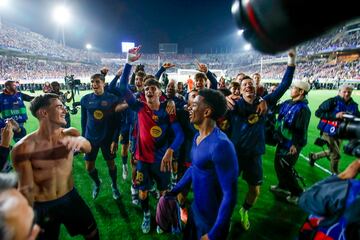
71, 82
350, 129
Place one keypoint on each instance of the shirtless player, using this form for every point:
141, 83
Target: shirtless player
43, 160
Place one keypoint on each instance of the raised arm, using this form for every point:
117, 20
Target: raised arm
203, 68
122, 89
226, 166
162, 69
274, 97
112, 85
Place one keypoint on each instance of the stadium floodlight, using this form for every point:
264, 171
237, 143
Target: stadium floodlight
240, 32
125, 46
4, 3
88, 46
247, 47
61, 14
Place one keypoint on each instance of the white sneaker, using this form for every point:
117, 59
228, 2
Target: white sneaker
125, 171
277, 190
145, 226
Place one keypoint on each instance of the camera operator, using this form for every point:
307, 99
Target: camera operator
335, 203
64, 98
331, 113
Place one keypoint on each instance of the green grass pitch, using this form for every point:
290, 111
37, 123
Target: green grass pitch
270, 218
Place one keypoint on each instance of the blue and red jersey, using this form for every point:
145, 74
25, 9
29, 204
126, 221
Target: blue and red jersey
153, 126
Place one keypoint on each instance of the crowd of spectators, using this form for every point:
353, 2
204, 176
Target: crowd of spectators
45, 59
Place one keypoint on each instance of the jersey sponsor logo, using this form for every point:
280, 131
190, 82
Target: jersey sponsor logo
155, 118
98, 115
155, 131
253, 118
104, 103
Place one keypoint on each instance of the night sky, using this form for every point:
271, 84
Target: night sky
204, 26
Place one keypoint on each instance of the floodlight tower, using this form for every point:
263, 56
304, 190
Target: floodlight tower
62, 16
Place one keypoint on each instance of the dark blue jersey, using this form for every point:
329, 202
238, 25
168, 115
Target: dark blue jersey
247, 127
213, 175
98, 119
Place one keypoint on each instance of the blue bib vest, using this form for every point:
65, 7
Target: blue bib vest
286, 120
13, 106
330, 127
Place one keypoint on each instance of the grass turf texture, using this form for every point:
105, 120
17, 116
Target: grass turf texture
270, 218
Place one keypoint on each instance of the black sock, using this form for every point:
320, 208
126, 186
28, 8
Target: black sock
247, 206
113, 175
145, 204
95, 176
124, 159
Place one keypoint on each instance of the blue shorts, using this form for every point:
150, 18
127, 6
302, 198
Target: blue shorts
105, 149
251, 169
125, 132
146, 173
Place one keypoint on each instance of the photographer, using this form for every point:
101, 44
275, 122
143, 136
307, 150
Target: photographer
335, 202
12, 106
64, 98
291, 131
331, 113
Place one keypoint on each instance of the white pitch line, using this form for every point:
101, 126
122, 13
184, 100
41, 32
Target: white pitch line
316, 165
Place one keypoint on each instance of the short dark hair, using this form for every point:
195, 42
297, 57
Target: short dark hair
98, 75
152, 82
41, 101
234, 85
216, 100
200, 75
8, 82
54, 83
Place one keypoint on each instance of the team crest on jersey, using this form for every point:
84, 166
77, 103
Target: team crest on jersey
155, 118
104, 103
98, 115
253, 118
155, 131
